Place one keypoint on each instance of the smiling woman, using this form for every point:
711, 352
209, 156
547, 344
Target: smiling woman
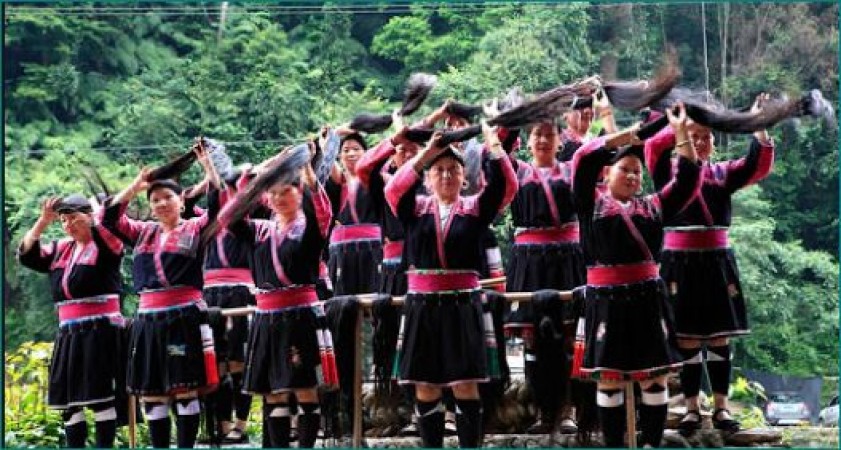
87, 367
171, 343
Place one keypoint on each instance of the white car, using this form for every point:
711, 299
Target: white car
829, 415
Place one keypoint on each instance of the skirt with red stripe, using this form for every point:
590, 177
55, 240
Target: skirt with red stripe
283, 352
88, 364
544, 266
442, 339
355, 267
167, 354
629, 332
706, 293
229, 342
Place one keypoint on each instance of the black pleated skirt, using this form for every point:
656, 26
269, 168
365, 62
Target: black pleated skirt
442, 339
166, 352
231, 333
394, 280
629, 332
355, 267
705, 292
283, 352
88, 363
544, 266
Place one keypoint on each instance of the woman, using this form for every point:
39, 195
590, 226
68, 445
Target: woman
699, 267
578, 121
228, 284
628, 327
284, 255
443, 331
374, 170
167, 362
86, 369
545, 255
356, 251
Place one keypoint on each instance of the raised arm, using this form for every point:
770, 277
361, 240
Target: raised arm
759, 160
316, 205
686, 184
400, 190
31, 253
114, 214
501, 179
753, 167
658, 161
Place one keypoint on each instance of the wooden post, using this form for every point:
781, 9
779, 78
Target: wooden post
357, 380
631, 414
132, 421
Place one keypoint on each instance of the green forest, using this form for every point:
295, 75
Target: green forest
116, 86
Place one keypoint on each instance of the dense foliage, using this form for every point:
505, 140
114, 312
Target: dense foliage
115, 90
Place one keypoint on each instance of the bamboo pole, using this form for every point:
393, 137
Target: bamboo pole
631, 414
365, 302
357, 380
132, 421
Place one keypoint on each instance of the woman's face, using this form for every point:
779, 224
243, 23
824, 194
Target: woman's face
350, 153
445, 178
544, 142
166, 205
407, 150
77, 225
624, 178
579, 119
702, 139
285, 199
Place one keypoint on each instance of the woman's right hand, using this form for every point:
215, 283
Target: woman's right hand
400, 137
677, 116
141, 181
48, 214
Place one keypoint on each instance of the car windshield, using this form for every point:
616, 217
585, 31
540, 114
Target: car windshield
786, 398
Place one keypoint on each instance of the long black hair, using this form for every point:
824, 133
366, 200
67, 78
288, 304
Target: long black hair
417, 91
286, 169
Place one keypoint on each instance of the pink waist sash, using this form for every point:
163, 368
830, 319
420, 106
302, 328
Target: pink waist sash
286, 298
88, 308
216, 277
702, 239
350, 233
563, 235
421, 281
622, 274
179, 296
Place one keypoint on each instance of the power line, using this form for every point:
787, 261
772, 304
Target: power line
286, 9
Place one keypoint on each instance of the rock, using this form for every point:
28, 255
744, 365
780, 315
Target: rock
754, 436
673, 439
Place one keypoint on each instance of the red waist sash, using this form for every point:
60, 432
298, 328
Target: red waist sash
89, 307
216, 277
350, 233
700, 239
167, 298
622, 274
286, 298
393, 250
562, 235
422, 281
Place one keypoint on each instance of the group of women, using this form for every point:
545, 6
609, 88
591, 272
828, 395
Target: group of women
660, 279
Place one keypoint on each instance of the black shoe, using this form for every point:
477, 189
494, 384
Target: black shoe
541, 427
235, 436
409, 430
728, 424
568, 426
690, 423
